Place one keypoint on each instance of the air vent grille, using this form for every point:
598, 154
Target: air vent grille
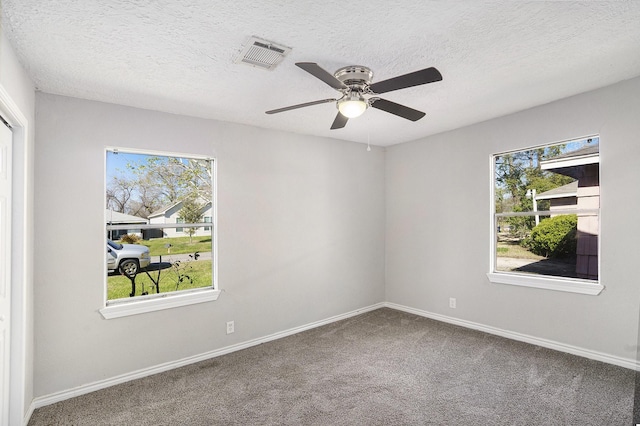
262, 53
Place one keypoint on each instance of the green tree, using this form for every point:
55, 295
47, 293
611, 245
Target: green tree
191, 212
516, 174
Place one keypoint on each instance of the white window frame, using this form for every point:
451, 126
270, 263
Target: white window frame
547, 282
155, 302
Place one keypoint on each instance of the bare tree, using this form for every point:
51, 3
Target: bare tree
119, 193
146, 186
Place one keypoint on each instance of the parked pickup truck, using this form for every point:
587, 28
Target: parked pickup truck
127, 259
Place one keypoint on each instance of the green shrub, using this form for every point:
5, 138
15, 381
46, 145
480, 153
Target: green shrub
554, 237
130, 239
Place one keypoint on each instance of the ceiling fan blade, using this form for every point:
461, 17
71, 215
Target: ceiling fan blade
339, 122
318, 72
427, 75
397, 109
324, 101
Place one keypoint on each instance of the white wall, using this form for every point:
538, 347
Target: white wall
302, 232
438, 224
21, 92
301, 238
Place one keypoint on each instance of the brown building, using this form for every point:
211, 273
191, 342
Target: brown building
582, 195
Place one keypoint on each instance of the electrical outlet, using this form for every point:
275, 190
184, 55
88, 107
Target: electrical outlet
230, 327
452, 302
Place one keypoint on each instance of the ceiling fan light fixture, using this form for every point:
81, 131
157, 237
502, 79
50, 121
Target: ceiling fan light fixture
354, 83
352, 106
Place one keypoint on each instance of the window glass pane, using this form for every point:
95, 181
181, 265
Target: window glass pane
557, 247
146, 196
547, 202
529, 180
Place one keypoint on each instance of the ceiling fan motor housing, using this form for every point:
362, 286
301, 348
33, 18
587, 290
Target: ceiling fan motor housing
355, 75
357, 79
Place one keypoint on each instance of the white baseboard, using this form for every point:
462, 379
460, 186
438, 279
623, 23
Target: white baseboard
27, 416
550, 344
102, 384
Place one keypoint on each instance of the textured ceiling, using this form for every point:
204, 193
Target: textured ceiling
177, 56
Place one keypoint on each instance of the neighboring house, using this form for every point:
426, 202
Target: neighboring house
171, 215
117, 218
564, 197
584, 166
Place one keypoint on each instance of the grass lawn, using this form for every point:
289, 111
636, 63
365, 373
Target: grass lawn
514, 250
179, 245
119, 286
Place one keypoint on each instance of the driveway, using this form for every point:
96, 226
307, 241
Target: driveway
543, 267
206, 255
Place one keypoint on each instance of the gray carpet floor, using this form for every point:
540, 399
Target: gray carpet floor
384, 367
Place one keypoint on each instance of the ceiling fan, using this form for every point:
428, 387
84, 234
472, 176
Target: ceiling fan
358, 93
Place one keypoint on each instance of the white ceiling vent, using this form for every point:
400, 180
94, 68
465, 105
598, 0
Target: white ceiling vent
262, 53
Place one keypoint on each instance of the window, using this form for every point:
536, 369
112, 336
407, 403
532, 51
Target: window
546, 217
170, 259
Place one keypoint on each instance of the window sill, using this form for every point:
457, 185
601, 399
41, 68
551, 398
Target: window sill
570, 285
167, 301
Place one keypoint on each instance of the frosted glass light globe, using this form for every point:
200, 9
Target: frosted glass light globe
352, 107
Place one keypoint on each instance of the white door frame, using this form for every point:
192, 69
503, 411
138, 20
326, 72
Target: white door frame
6, 231
21, 249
